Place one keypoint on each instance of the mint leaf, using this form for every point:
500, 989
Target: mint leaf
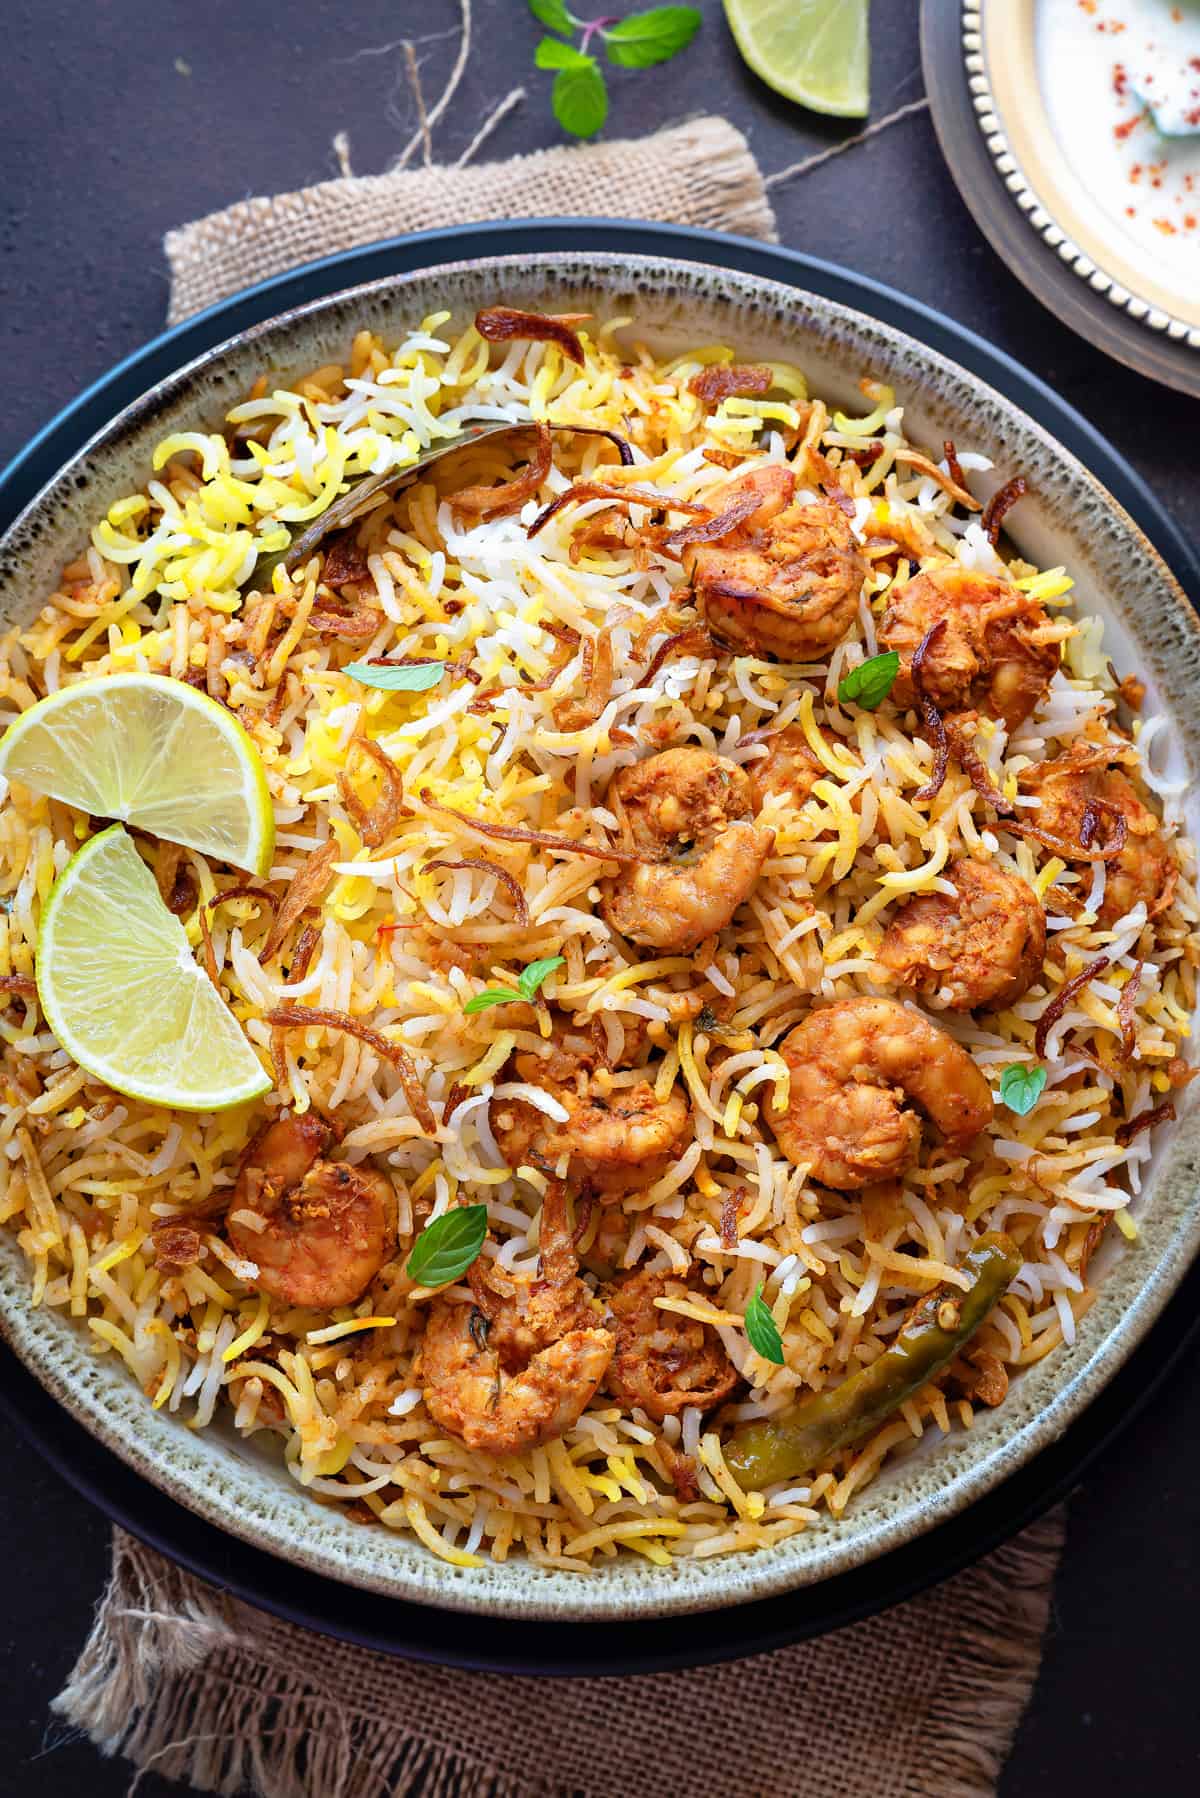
495, 995
762, 1330
536, 972
870, 683
550, 54
1022, 1085
446, 1247
580, 98
397, 677
554, 14
645, 38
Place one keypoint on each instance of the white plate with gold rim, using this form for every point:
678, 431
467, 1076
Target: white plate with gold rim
1055, 90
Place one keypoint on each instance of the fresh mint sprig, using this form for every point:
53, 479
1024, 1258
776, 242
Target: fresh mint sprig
579, 96
525, 992
762, 1330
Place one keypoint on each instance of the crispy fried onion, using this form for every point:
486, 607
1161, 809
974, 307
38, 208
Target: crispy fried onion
508, 881
512, 833
626, 496
17, 986
583, 1217
694, 640
682, 1469
175, 1244
863, 458
1091, 1243
244, 891
976, 772
624, 450
176, 882
837, 496
731, 1210
345, 559
709, 530
712, 385
577, 714
509, 496
305, 888
950, 457
1126, 1009
457, 1095
1087, 845
1062, 999
308, 1017
210, 959
568, 643
351, 627
375, 823
1001, 503
306, 944
949, 483
1145, 1120
500, 324
933, 718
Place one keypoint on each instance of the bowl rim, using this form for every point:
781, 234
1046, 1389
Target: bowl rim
1151, 1297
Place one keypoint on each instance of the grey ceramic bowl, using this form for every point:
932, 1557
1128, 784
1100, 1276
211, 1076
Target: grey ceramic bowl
1069, 519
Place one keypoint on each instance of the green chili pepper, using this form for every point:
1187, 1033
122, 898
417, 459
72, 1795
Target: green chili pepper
795, 1441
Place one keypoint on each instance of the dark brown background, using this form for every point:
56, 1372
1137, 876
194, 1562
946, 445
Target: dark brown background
105, 145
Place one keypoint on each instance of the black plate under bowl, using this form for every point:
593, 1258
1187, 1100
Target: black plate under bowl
418, 1632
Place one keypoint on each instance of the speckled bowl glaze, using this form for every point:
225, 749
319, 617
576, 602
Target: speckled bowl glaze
1070, 518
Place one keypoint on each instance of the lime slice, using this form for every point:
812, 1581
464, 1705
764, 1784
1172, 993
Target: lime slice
123, 993
812, 51
154, 752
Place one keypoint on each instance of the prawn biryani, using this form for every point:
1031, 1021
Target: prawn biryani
588, 956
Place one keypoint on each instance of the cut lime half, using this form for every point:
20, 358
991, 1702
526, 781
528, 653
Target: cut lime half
124, 995
155, 753
816, 52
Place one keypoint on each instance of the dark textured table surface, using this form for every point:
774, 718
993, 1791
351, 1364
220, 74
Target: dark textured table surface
124, 118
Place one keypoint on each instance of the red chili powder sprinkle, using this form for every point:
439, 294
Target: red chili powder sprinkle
1120, 78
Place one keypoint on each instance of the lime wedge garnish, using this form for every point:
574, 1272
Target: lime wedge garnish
124, 994
813, 51
153, 752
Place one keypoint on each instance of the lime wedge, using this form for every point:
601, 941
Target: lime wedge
155, 753
123, 993
812, 51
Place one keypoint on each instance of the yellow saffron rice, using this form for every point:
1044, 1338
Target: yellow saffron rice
162, 586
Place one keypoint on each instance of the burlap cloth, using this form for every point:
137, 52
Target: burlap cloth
919, 1703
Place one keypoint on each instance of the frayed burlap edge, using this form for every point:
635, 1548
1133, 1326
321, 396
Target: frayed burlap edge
201, 1688
699, 173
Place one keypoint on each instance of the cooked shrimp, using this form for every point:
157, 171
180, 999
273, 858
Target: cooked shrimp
520, 1364
664, 1362
615, 1138
1145, 868
326, 1228
993, 654
789, 769
786, 580
694, 809
984, 947
852, 1067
